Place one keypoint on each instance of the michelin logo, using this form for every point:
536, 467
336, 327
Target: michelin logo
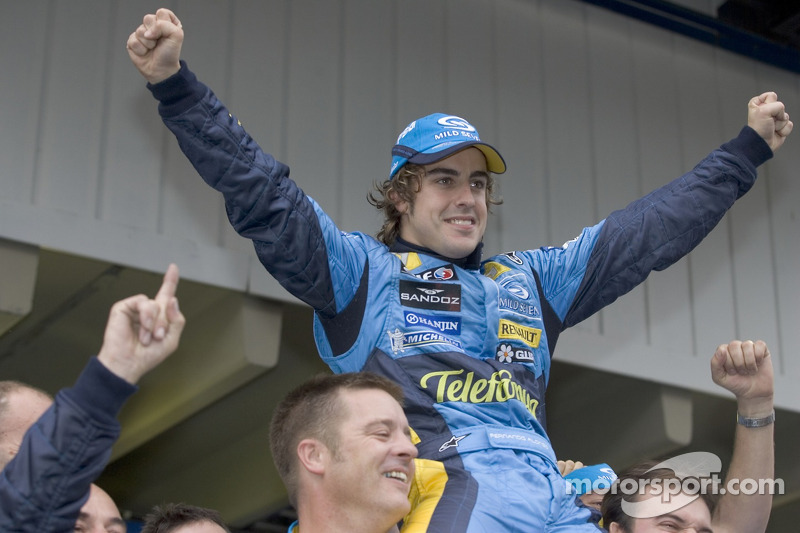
438, 323
400, 340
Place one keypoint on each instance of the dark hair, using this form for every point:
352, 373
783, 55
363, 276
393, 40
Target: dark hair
612, 502
171, 516
313, 410
404, 188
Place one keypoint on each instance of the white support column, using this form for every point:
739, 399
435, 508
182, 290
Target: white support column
18, 264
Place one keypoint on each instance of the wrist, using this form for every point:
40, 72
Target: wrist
755, 407
119, 368
163, 74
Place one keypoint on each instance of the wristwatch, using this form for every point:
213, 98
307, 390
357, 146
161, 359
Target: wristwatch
755, 422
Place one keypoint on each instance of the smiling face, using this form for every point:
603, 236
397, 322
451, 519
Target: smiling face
450, 210
371, 470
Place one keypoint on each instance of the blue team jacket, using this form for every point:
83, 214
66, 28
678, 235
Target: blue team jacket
44, 487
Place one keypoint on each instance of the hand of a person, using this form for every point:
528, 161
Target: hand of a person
155, 46
768, 116
565, 467
141, 332
745, 369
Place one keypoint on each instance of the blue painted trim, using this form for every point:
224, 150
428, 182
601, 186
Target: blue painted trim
706, 29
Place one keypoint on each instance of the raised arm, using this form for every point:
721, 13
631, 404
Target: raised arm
44, 487
745, 369
296, 241
657, 230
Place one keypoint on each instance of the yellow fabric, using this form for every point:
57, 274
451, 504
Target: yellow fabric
427, 487
414, 437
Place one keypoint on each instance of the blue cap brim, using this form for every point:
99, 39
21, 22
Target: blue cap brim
494, 161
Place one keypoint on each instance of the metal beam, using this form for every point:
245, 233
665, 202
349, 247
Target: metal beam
707, 29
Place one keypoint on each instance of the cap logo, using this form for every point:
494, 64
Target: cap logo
406, 131
456, 123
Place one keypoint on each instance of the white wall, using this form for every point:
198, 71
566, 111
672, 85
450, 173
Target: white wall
590, 110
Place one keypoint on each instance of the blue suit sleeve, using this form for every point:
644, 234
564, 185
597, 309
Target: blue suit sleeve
294, 239
44, 487
657, 230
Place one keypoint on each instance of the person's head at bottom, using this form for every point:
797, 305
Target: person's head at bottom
342, 446
21, 406
183, 518
99, 514
650, 500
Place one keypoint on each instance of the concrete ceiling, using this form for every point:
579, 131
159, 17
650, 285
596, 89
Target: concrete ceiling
197, 429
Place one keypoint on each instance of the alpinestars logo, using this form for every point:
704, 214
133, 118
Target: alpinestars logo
453, 442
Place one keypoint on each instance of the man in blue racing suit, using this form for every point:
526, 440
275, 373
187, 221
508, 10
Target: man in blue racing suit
469, 341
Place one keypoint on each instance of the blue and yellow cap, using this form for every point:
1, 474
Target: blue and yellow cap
434, 137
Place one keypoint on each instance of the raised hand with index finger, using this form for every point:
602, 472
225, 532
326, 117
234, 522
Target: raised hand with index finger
141, 332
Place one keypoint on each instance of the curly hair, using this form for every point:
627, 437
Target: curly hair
403, 188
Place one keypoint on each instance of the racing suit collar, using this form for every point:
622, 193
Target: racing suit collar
470, 262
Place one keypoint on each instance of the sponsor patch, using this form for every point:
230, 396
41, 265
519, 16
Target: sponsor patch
460, 385
437, 296
442, 273
442, 324
494, 270
401, 340
521, 308
517, 289
506, 353
512, 330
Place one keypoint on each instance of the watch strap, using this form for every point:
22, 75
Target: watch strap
755, 422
